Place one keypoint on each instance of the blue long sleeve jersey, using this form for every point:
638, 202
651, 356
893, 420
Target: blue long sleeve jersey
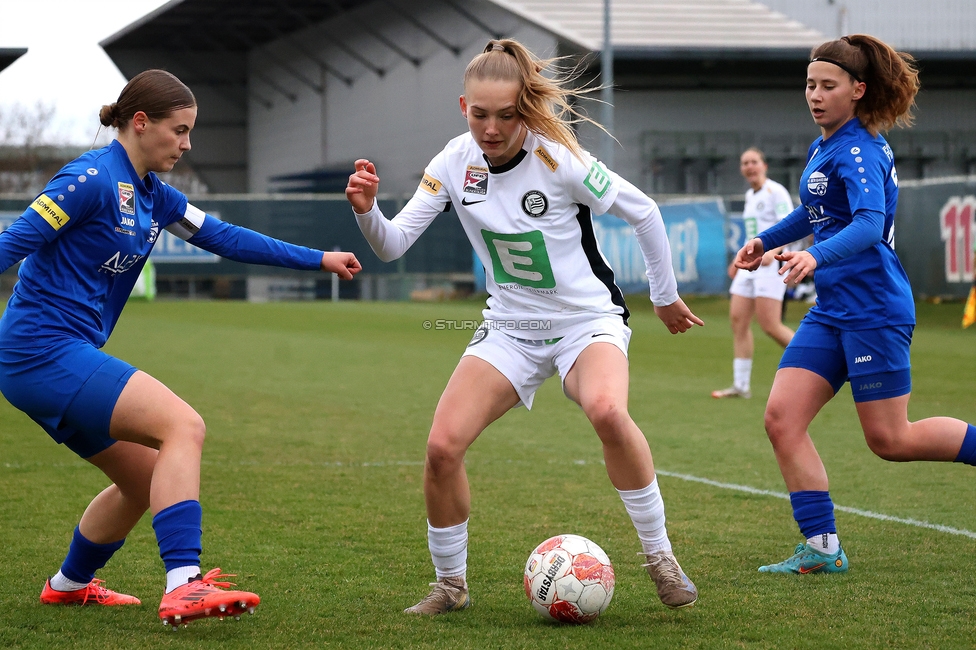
86, 237
848, 195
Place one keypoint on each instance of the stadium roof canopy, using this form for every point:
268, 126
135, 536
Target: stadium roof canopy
224, 25
10, 54
212, 46
667, 25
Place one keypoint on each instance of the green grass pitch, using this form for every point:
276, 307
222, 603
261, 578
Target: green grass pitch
317, 419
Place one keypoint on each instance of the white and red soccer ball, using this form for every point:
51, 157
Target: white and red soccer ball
569, 578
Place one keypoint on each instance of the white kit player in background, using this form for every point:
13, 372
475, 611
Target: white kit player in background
525, 193
758, 292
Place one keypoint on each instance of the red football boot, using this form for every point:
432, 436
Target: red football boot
91, 594
205, 597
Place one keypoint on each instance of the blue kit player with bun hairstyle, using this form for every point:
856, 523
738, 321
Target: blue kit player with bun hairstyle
861, 326
85, 239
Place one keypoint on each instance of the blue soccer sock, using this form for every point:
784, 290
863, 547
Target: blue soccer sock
85, 557
178, 531
967, 453
814, 512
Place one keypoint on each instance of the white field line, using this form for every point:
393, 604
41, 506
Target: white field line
854, 511
684, 477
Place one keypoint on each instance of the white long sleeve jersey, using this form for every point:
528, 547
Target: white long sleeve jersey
765, 208
530, 221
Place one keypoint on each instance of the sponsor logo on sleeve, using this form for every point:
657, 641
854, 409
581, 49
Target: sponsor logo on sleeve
127, 198
598, 180
476, 180
546, 158
50, 211
430, 184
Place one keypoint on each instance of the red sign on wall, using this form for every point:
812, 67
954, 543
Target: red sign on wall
956, 223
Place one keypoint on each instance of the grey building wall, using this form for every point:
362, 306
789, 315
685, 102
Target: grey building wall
906, 24
662, 134
399, 119
219, 139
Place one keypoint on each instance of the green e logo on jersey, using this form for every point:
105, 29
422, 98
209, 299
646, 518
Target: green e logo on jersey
751, 226
520, 258
598, 180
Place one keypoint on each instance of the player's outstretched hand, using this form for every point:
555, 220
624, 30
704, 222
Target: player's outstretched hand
345, 265
677, 316
796, 266
749, 256
362, 187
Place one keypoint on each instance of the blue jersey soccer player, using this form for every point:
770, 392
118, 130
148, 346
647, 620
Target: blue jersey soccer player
861, 326
85, 239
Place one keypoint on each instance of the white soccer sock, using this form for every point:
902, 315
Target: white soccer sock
449, 550
180, 576
742, 374
646, 510
61, 583
827, 543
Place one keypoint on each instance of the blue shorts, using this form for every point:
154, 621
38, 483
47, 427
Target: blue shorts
69, 387
876, 361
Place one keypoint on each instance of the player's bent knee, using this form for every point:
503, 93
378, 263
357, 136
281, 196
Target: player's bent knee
776, 422
608, 418
190, 429
137, 496
443, 455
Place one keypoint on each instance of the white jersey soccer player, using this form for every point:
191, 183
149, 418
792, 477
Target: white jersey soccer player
763, 209
530, 223
526, 193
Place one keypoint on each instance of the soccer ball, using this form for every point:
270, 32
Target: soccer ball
569, 578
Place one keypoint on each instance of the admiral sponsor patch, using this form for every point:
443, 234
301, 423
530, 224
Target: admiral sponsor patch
50, 211
546, 158
127, 198
476, 180
430, 184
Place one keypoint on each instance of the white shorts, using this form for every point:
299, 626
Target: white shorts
528, 363
764, 282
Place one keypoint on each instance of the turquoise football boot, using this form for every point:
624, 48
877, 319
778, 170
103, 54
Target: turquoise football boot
807, 559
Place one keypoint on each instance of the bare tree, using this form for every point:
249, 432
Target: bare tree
30, 152
33, 148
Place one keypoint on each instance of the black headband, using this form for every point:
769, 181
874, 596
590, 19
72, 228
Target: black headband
839, 65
